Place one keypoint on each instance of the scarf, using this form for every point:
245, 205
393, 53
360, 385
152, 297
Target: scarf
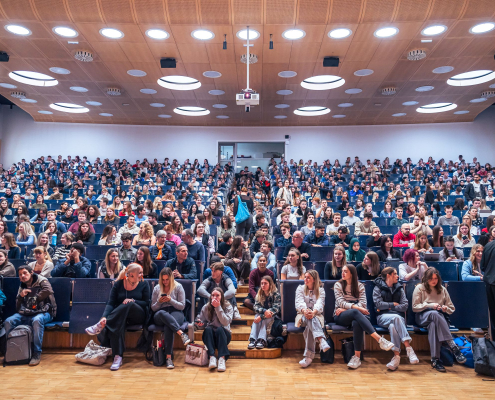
355, 255
159, 256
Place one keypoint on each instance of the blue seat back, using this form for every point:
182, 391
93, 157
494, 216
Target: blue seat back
160, 264
321, 253
288, 294
91, 290
320, 267
10, 289
97, 252
279, 253
190, 291
410, 315
449, 271
369, 287
329, 301
62, 290
471, 305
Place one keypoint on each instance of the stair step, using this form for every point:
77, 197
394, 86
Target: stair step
243, 289
247, 319
239, 333
244, 310
239, 350
240, 297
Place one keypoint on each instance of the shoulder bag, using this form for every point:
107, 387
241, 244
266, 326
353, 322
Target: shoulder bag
242, 211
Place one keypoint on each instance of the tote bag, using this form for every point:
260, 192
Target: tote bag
242, 211
196, 355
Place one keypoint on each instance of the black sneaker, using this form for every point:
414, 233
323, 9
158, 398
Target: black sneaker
437, 364
35, 359
252, 344
169, 363
459, 357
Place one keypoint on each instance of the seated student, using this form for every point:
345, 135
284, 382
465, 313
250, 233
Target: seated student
111, 266
366, 226
43, 265
238, 258
387, 211
196, 250
471, 270
153, 220
61, 251
216, 316
26, 235
256, 243
35, 306
342, 238
75, 264
161, 250
266, 250
333, 269
259, 221
127, 252
51, 215
293, 267
449, 252
354, 252
404, 238
81, 217
285, 220
267, 310
317, 238
333, 229
255, 280
448, 218
350, 219
143, 258
413, 268
68, 218
309, 226
464, 238
182, 265
375, 237
299, 244
421, 244
200, 218
432, 305
225, 244
398, 220
168, 301
387, 252
419, 225
171, 237
110, 217
351, 311
103, 207
109, 236
437, 239
140, 215
391, 305
146, 236
6, 267
128, 305
84, 234
370, 268
130, 226
292, 218
286, 237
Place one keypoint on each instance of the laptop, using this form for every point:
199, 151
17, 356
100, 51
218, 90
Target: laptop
432, 256
485, 213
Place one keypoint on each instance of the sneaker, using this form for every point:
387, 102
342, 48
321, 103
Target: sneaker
185, 339
221, 364
413, 358
459, 357
94, 329
213, 362
385, 344
237, 314
437, 364
284, 330
324, 345
117, 363
354, 363
260, 344
35, 359
394, 363
252, 344
169, 363
305, 362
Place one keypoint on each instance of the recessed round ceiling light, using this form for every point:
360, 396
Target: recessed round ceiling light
29, 100
472, 78
179, 82
443, 70
136, 72
322, 82
339, 33
436, 108
157, 105
253, 34
479, 100
164, 116
93, 103
386, 32
33, 78
44, 112
353, 91
424, 88
216, 92
284, 92
148, 91
78, 89
482, 28
491, 86
212, 74
60, 71
410, 103
280, 116
338, 116
18, 30
287, 74
111, 33
461, 112
65, 31
202, 34
106, 114
282, 106
69, 108
434, 30
398, 115
8, 86
363, 72
219, 106
159, 34
345, 105
191, 111
223, 117
312, 111
293, 34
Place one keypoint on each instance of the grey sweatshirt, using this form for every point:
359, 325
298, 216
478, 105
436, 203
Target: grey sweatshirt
177, 298
221, 317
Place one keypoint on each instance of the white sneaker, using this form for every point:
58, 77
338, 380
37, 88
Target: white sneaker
394, 363
324, 345
213, 362
237, 314
354, 363
305, 362
117, 363
94, 329
385, 344
221, 364
413, 358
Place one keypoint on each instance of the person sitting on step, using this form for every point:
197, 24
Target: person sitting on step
255, 281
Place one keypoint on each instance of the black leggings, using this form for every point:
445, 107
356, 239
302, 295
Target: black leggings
359, 324
244, 227
171, 322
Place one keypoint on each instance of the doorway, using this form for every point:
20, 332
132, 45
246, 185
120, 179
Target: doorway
250, 154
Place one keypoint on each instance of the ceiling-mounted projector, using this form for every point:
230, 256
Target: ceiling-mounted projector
247, 98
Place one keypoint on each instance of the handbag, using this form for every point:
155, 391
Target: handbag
158, 356
93, 354
328, 356
196, 354
347, 349
242, 211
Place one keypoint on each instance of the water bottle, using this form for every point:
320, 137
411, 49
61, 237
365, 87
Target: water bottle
435, 213
54, 240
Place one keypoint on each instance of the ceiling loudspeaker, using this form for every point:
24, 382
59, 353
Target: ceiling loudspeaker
4, 57
168, 63
331, 62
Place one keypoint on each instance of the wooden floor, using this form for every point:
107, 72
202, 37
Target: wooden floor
60, 377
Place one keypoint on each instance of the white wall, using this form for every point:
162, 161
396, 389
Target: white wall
24, 138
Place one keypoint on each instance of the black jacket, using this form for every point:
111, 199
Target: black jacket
305, 248
383, 257
187, 269
167, 253
469, 192
487, 264
389, 295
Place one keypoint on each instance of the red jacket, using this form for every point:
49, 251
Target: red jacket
402, 241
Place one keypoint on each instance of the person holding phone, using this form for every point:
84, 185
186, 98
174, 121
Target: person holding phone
463, 237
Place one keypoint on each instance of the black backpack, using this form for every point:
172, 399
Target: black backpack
484, 356
19, 346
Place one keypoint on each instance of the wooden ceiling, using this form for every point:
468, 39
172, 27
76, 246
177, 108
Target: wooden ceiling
113, 58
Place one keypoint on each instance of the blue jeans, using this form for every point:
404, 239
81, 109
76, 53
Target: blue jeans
37, 322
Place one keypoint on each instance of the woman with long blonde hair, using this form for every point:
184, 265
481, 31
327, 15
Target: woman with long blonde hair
43, 265
146, 236
111, 267
26, 236
471, 270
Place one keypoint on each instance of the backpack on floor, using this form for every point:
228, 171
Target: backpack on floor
328, 356
19, 346
484, 356
466, 349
